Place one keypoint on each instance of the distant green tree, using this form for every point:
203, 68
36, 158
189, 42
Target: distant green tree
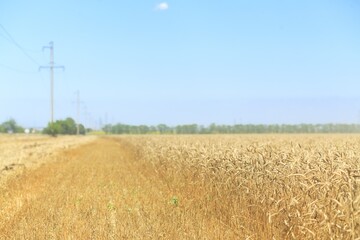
82, 129
53, 129
63, 127
68, 126
11, 126
144, 129
163, 128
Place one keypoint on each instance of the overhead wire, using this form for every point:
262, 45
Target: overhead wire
12, 40
6, 38
16, 70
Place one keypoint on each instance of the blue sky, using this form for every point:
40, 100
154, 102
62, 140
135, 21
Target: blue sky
174, 62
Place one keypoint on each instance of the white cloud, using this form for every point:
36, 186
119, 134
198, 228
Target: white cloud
162, 6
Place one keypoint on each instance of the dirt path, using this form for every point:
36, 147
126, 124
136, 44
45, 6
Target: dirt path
97, 191
19, 152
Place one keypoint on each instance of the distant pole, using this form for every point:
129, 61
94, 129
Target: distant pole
51, 67
106, 124
78, 112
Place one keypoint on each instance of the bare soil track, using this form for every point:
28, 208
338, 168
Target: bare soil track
96, 191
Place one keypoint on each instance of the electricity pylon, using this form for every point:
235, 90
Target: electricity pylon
51, 67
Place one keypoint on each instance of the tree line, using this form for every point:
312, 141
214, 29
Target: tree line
60, 127
69, 127
231, 129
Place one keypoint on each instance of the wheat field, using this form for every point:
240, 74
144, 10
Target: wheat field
265, 187
188, 187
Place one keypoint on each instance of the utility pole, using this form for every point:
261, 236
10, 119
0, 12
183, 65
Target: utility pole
87, 118
106, 124
78, 104
78, 112
51, 67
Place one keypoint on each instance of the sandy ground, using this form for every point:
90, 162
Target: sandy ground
19, 152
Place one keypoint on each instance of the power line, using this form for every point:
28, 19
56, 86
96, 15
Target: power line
26, 49
12, 40
16, 70
6, 38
